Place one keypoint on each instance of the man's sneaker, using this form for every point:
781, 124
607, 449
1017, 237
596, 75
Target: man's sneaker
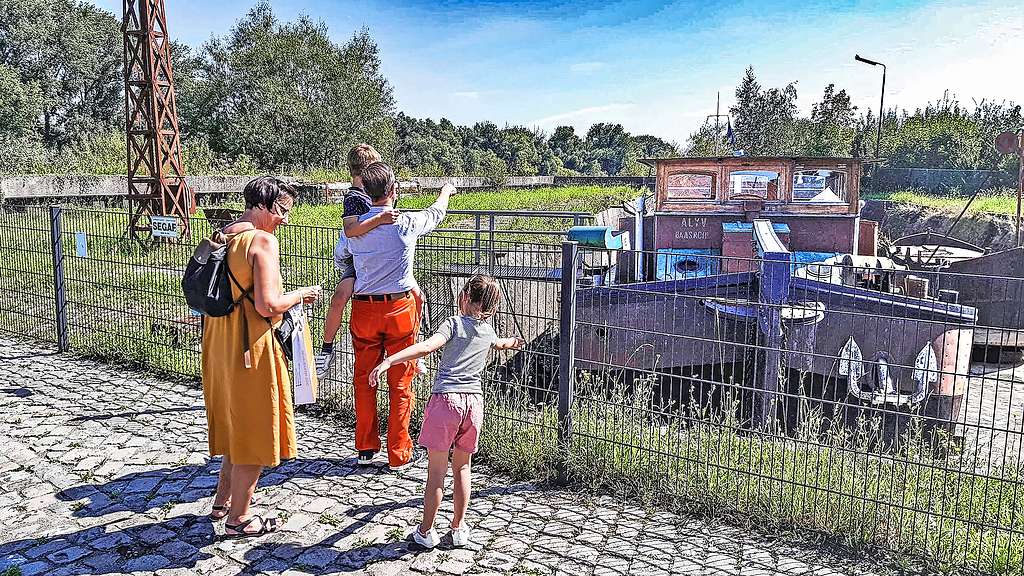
323, 361
460, 536
428, 540
366, 457
417, 455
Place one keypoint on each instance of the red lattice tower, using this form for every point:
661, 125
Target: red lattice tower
156, 180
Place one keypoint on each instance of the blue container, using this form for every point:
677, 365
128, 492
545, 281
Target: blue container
682, 263
600, 237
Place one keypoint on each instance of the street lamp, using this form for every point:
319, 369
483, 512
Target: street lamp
881, 104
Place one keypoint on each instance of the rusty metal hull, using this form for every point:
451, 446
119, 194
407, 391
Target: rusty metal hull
675, 327
992, 283
661, 325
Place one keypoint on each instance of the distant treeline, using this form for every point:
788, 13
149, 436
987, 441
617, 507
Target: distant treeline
282, 96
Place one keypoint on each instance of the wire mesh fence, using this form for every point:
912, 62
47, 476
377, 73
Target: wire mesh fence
840, 395
867, 401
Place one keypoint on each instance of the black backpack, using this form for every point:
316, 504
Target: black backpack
207, 287
207, 281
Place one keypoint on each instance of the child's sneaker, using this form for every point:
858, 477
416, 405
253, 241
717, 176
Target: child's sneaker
366, 457
323, 361
428, 540
460, 536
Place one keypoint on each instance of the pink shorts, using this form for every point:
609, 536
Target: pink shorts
452, 420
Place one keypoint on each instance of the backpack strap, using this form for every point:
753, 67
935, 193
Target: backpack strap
246, 295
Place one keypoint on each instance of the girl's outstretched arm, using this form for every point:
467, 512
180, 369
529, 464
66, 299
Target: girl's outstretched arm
414, 352
508, 343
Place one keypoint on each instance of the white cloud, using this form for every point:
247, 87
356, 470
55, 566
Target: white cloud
586, 67
580, 115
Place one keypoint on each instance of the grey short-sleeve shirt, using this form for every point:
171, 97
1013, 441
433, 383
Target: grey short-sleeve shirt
464, 356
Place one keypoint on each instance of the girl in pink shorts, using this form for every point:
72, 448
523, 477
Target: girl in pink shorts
454, 414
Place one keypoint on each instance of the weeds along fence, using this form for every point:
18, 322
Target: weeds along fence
878, 406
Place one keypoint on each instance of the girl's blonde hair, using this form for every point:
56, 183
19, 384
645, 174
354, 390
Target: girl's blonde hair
482, 293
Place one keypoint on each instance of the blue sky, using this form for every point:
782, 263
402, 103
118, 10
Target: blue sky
654, 67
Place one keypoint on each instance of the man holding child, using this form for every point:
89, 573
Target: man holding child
385, 310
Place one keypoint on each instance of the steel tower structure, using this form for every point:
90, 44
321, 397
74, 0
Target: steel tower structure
156, 179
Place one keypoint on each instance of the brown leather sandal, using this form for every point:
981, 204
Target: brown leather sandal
267, 526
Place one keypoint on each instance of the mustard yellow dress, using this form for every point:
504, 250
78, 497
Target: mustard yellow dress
248, 410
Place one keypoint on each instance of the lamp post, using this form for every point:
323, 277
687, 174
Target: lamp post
881, 104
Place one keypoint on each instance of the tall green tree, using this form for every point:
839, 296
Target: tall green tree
831, 129
607, 145
71, 52
763, 119
648, 146
568, 148
285, 95
21, 105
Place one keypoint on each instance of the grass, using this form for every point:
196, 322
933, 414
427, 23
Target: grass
11, 571
855, 497
565, 199
1002, 201
330, 520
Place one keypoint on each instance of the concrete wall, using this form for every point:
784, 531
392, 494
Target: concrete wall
631, 181
79, 186
85, 187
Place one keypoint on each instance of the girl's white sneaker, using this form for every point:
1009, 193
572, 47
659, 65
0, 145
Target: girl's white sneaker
460, 536
428, 540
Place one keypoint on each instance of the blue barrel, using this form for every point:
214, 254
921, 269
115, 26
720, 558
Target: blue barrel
602, 237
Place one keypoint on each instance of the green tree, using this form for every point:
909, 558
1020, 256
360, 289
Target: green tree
763, 119
568, 148
21, 105
648, 146
608, 144
285, 95
517, 146
493, 168
71, 52
831, 128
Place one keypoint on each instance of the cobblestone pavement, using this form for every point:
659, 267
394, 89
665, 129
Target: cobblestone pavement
104, 471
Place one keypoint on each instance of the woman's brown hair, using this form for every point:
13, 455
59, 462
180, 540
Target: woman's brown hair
483, 292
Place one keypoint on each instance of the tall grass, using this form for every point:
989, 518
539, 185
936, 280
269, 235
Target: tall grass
998, 201
845, 485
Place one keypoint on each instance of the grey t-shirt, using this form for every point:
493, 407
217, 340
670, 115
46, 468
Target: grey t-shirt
464, 356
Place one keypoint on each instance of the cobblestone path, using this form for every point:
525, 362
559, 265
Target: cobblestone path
104, 471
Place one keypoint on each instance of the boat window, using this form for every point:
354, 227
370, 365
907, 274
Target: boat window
820, 186
690, 186
753, 184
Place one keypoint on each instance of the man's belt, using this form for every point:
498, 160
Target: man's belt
381, 297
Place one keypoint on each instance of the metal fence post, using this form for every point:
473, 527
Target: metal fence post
492, 260
57, 250
566, 351
476, 244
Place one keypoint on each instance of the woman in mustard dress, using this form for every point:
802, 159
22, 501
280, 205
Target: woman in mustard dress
245, 375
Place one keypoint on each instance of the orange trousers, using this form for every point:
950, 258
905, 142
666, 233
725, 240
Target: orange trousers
379, 327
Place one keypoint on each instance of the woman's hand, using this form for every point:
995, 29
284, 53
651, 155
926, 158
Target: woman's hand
310, 294
381, 371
